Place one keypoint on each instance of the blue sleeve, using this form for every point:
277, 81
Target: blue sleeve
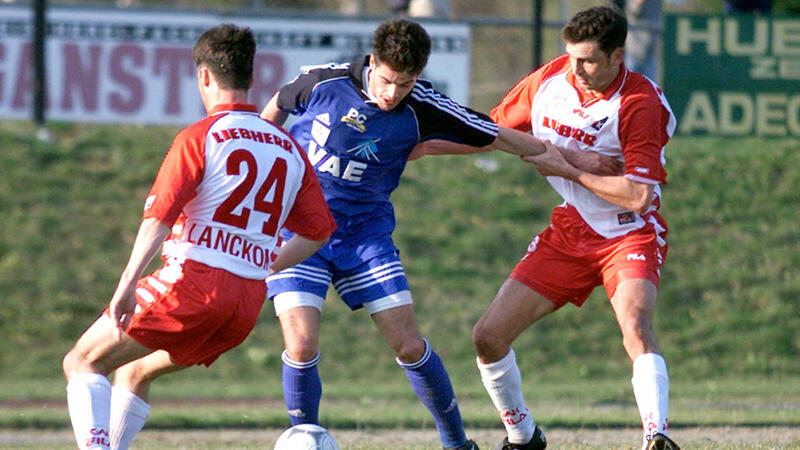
440, 117
295, 96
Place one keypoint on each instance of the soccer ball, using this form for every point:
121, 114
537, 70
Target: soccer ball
306, 437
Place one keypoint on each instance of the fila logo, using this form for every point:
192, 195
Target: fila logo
636, 257
355, 120
580, 113
325, 118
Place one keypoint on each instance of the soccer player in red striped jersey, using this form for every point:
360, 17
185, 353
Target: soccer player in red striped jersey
608, 230
227, 185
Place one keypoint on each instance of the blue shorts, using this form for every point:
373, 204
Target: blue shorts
375, 278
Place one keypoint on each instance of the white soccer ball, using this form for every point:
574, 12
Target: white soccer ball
306, 437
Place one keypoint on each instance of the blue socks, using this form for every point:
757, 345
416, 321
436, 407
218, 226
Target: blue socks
430, 382
302, 390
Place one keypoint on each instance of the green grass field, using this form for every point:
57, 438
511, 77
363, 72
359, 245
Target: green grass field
726, 319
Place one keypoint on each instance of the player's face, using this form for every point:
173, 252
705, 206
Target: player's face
594, 70
387, 86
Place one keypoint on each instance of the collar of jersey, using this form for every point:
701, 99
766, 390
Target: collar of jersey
232, 107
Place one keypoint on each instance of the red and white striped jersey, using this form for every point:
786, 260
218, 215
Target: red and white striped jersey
631, 120
227, 185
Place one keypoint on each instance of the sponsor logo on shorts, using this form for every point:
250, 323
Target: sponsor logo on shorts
626, 218
636, 257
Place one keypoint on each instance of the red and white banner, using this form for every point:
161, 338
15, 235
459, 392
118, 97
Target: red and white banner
111, 65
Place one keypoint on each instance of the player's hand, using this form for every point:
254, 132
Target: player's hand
552, 163
594, 162
122, 305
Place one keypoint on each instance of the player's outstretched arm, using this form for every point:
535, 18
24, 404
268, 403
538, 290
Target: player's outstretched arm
295, 251
442, 147
517, 142
151, 234
508, 140
272, 113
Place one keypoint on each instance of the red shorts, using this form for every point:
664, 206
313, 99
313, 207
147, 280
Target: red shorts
569, 259
195, 312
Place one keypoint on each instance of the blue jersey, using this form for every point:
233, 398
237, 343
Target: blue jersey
358, 150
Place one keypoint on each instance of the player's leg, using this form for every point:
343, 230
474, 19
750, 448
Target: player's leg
634, 303
632, 285
424, 369
297, 294
514, 308
130, 395
547, 277
302, 386
101, 349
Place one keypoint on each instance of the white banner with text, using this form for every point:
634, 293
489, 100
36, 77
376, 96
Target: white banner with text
111, 65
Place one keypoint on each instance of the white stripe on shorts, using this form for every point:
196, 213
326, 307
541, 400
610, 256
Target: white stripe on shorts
303, 272
369, 278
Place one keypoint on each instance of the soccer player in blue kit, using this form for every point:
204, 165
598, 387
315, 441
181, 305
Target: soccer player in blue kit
360, 123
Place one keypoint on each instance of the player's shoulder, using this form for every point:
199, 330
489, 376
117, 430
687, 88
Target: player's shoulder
198, 130
323, 72
639, 88
425, 95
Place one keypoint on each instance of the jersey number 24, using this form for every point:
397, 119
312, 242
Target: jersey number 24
277, 178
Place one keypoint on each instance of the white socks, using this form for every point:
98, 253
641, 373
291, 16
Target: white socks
503, 382
651, 389
128, 415
93, 411
89, 403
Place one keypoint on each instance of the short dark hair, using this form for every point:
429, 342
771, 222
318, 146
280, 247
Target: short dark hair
227, 51
402, 44
606, 25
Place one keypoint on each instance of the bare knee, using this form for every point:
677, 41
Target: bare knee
489, 344
69, 364
76, 362
409, 350
302, 349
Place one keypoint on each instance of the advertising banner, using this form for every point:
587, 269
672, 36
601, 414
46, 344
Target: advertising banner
733, 75
111, 65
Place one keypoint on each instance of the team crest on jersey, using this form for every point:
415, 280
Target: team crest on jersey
366, 149
599, 123
355, 120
